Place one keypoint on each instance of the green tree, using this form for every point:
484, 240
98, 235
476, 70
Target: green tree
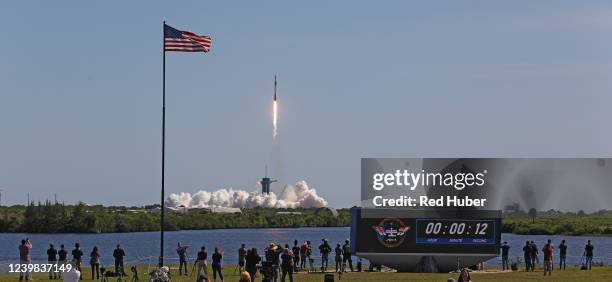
533, 213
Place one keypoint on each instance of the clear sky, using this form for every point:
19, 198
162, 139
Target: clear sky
81, 91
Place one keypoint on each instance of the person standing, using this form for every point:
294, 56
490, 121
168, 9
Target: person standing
25, 258
272, 255
548, 258
324, 249
119, 254
505, 250
309, 255
241, 256
287, 265
217, 257
52, 259
77, 255
527, 256
562, 254
201, 262
588, 254
94, 261
182, 253
252, 258
303, 258
346, 255
534, 255
62, 259
338, 257
296, 255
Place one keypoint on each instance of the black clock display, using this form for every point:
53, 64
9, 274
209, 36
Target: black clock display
455, 231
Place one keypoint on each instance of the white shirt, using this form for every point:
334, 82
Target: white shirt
72, 275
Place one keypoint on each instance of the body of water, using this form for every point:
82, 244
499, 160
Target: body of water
143, 247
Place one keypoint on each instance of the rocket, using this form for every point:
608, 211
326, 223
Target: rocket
274, 88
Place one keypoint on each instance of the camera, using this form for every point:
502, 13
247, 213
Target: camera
266, 271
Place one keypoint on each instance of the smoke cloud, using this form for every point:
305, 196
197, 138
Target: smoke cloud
296, 196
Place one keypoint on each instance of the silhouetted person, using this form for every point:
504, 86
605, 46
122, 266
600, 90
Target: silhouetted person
588, 254
527, 256
504, 254
62, 259
562, 254
346, 255
303, 257
252, 258
534, 255
324, 249
201, 262
338, 257
52, 259
77, 255
216, 264
94, 261
296, 255
119, 254
241, 256
182, 253
287, 265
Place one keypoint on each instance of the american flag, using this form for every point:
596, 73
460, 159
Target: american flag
185, 41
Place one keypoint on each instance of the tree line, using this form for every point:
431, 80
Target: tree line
49, 217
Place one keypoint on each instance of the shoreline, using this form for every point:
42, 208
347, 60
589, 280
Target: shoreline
598, 273
597, 235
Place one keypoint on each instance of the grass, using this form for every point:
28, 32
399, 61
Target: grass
571, 274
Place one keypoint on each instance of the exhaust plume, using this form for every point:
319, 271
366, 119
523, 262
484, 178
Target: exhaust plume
274, 119
296, 196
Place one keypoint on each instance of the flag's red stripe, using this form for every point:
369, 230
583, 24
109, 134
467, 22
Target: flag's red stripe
186, 43
190, 42
205, 51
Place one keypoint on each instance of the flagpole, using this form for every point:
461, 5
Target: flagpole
163, 153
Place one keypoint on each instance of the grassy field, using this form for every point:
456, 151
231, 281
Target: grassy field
571, 274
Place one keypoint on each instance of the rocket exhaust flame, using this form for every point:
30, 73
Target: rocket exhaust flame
274, 118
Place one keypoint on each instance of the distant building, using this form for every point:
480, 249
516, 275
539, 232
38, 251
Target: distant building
327, 210
513, 208
282, 212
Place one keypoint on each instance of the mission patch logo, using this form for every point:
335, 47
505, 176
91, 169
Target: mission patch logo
391, 232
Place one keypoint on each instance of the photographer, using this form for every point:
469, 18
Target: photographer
272, 256
24, 258
182, 253
118, 254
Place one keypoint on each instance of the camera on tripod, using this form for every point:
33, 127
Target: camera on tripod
266, 271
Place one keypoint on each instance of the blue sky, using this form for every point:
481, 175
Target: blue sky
81, 91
